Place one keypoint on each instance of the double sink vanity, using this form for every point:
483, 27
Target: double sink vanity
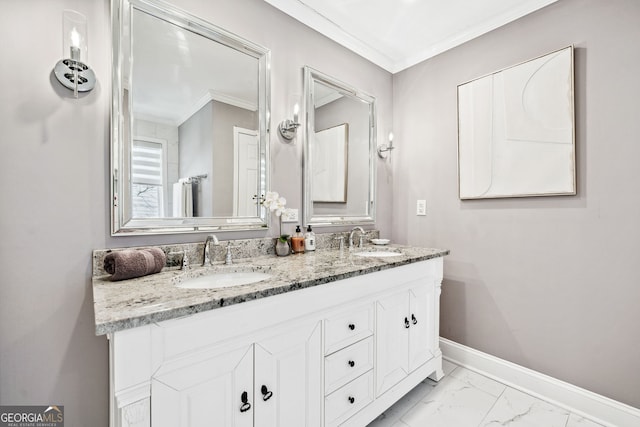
324, 338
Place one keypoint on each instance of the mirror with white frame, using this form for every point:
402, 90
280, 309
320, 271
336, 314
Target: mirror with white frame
189, 144
339, 152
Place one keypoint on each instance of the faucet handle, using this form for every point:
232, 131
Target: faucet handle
341, 239
228, 260
184, 262
360, 242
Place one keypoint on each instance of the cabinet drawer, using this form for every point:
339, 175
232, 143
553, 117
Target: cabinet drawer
348, 364
346, 401
346, 328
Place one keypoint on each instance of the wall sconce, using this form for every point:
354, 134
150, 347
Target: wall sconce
72, 71
382, 149
288, 128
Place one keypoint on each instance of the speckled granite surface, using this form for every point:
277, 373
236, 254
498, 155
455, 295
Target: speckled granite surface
131, 303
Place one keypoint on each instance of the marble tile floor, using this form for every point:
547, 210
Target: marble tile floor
466, 399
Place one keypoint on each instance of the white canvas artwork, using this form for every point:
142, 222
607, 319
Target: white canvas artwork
516, 131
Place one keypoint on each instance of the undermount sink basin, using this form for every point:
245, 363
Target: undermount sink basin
222, 279
377, 254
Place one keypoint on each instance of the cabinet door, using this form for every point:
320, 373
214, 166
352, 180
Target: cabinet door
205, 392
422, 327
288, 377
392, 340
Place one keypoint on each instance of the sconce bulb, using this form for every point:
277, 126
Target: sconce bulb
296, 110
75, 38
390, 137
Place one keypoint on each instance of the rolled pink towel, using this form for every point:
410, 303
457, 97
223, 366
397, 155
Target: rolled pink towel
130, 263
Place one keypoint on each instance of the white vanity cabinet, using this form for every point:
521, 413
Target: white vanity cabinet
266, 379
406, 337
270, 383
336, 354
192, 394
349, 361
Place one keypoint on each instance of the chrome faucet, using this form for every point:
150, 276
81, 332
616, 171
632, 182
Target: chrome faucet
206, 259
353, 230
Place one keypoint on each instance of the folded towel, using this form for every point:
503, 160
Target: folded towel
130, 263
182, 199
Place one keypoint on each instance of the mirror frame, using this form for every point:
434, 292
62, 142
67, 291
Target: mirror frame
310, 77
120, 225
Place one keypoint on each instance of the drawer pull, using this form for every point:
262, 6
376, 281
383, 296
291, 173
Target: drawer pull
245, 402
352, 399
352, 326
266, 394
406, 323
352, 363
414, 320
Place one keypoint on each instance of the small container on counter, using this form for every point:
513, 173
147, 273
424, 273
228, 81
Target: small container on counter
309, 240
297, 241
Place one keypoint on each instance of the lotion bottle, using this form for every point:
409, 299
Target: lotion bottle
309, 240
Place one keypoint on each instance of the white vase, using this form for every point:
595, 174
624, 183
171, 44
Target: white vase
282, 248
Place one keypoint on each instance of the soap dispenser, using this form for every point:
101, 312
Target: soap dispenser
297, 241
309, 240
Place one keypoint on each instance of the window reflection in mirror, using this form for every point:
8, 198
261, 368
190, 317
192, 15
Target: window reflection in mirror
189, 138
339, 169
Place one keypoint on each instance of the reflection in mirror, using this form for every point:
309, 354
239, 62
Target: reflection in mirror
189, 136
329, 175
339, 152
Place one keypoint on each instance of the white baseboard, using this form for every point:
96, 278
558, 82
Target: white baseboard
600, 409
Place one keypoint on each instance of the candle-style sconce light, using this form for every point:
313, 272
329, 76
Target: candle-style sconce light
288, 127
72, 71
382, 149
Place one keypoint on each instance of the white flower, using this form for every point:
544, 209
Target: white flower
274, 202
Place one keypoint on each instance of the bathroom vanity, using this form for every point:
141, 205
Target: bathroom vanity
330, 338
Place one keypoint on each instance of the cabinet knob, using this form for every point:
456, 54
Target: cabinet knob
352, 399
352, 326
351, 363
406, 323
266, 394
414, 320
245, 402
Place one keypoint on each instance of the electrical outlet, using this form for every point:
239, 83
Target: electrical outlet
421, 207
290, 215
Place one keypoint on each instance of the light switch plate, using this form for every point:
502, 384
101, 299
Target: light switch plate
421, 208
290, 215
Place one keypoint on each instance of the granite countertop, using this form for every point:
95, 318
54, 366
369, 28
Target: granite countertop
145, 300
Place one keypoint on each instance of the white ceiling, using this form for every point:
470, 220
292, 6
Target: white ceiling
396, 34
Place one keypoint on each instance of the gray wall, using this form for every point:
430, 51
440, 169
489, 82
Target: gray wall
54, 183
196, 156
549, 283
